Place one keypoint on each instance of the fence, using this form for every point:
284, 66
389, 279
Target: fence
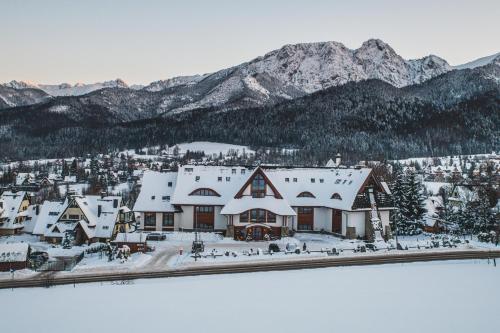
60, 263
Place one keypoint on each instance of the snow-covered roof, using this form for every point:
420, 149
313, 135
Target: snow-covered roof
23, 176
14, 252
270, 203
156, 195
51, 221
48, 215
224, 180
322, 183
11, 208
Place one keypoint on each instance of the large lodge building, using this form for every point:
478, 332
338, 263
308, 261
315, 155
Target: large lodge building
264, 202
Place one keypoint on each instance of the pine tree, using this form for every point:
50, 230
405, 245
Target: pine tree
414, 199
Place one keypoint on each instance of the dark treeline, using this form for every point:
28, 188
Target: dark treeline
367, 120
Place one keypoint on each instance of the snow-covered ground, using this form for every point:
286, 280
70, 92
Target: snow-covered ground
167, 252
425, 297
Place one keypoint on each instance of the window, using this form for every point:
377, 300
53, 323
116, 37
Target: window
321, 180
74, 217
149, 219
244, 217
258, 187
271, 217
189, 169
165, 198
338, 181
197, 178
242, 171
105, 227
53, 213
228, 179
233, 171
257, 216
204, 209
287, 180
169, 184
295, 180
306, 195
206, 192
336, 196
168, 220
313, 180
305, 210
153, 197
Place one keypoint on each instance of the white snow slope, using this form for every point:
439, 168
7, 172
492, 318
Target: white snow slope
427, 297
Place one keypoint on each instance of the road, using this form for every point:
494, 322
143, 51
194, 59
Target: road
50, 279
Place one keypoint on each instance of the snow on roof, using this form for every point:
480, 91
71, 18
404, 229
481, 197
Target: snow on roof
14, 252
225, 180
22, 176
270, 203
156, 195
48, 215
135, 237
105, 223
11, 209
51, 221
322, 183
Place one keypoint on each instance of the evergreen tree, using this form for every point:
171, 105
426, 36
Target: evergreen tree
414, 199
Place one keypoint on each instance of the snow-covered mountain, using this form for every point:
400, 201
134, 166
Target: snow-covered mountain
293, 71
479, 62
66, 89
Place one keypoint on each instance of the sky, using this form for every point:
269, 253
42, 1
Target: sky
143, 41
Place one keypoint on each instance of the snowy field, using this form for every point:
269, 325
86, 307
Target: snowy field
440, 297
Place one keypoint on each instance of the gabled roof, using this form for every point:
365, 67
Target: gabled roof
11, 207
256, 172
270, 203
322, 183
225, 180
155, 192
14, 252
48, 215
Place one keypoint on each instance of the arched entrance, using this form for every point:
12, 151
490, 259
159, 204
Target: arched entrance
258, 232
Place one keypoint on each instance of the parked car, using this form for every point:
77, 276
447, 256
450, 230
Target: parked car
39, 256
155, 236
273, 247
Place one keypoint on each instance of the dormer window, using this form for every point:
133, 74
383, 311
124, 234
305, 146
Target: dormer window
197, 178
205, 192
313, 180
287, 180
258, 186
306, 195
336, 196
219, 179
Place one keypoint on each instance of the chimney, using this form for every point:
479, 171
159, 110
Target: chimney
99, 210
115, 203
338, 159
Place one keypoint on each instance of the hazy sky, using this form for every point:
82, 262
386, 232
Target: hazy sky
143, 41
